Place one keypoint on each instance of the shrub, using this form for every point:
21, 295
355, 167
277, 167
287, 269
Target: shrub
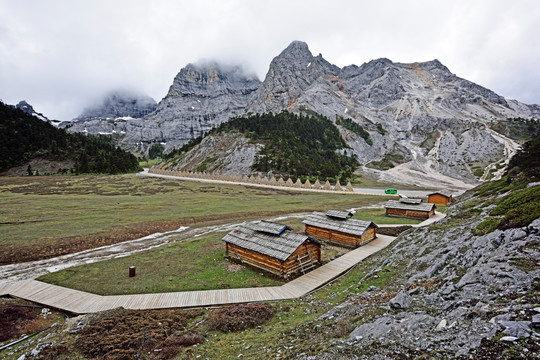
239, 317
13, 319
171, 346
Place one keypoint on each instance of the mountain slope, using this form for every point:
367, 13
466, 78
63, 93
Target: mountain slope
282, 143
29, 145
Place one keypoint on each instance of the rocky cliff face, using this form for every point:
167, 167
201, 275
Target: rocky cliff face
202, 96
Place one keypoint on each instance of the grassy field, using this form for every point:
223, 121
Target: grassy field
48, 216
378, 217
199, 264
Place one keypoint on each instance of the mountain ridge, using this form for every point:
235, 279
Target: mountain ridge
435, 122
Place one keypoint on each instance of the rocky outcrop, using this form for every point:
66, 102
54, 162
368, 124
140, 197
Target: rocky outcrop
222, 153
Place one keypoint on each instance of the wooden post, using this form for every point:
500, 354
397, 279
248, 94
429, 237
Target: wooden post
131, 271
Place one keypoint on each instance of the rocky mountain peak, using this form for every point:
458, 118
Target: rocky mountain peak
26, 107
29, 109
434, 65
209, 78
296, 50
119, 103
291, 73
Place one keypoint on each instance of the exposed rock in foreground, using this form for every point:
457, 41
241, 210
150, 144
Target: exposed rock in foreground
460, 292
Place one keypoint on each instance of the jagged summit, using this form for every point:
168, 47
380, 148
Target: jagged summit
290, 74
209, 78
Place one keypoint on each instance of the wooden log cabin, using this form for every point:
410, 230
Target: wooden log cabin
440, 198
272, 247
338, 228
409, 208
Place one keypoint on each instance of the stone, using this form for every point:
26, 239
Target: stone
402, 301
442, 325
508, 338
35, 352
519, 329
535, 321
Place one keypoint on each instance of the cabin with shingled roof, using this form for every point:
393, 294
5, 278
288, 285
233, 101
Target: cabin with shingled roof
440, 198
272, 247
409, 208
337, 227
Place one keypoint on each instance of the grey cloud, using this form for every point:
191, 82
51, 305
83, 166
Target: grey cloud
61, 54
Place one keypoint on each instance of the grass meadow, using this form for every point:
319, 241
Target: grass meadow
46, 216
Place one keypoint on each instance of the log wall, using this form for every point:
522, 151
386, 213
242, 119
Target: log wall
439, 199
339, 238
272, 265
411, 214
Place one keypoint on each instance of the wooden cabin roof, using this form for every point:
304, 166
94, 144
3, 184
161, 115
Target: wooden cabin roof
270, 227
348, 226
393, 204
443, 193
410, 201
339, 214
281, 247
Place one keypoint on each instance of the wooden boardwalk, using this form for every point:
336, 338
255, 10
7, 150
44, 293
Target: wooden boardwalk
80, 302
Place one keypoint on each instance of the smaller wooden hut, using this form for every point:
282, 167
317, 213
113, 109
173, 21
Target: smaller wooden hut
440, 198
409, 208
338, 228
272, 247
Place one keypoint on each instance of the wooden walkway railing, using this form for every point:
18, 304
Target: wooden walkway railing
80, 302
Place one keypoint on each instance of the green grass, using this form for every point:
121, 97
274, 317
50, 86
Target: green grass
199, 264
517, 209
378, 217
148, 163
61, 211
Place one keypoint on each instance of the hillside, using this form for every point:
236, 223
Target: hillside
285, 143
31, 146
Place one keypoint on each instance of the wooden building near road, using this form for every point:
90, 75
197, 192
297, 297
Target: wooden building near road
409, 208
272, 247
338, 228
440, 198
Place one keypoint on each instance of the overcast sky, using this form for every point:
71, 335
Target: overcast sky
60, 55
